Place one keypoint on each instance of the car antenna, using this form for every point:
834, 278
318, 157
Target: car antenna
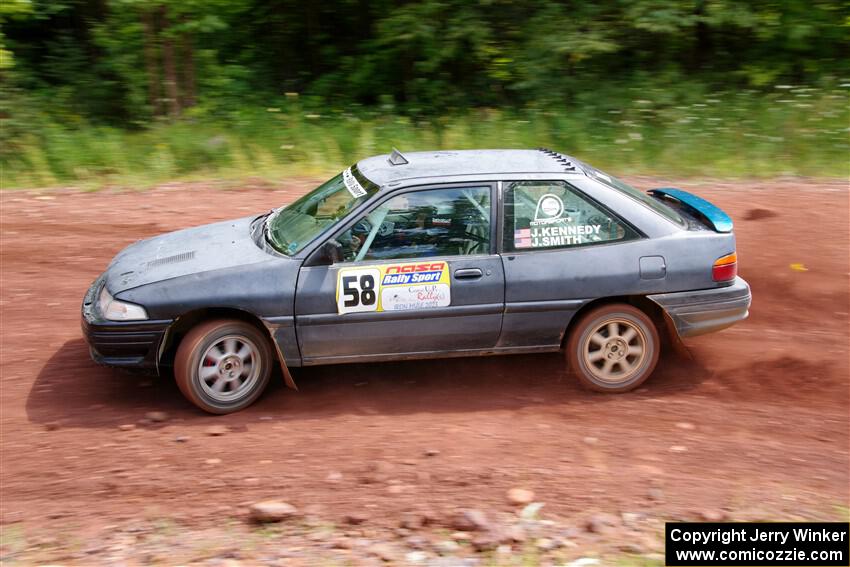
397, 158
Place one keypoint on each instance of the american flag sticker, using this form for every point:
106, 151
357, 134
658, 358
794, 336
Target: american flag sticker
522, 238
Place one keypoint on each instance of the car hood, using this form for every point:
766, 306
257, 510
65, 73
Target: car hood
191, 251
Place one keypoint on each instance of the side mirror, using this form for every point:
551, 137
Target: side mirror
332, 249
325, 255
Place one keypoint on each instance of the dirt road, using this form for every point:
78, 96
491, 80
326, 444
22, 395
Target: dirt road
751, 422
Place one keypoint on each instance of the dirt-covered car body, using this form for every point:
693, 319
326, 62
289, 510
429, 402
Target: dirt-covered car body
434, 254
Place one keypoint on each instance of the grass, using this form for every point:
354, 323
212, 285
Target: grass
790, 131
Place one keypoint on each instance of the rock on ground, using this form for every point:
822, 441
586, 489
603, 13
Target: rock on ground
470, 521
272, 511
520, 496
215, 430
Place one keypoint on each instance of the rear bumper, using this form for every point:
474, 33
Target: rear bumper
131, 344
705, 311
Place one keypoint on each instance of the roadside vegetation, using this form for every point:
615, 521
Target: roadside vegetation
133, 92
792, 131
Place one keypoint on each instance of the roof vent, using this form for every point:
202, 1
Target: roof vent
560, 158
397, 158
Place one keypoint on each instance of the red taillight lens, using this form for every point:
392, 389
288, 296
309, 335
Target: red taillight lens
725, 268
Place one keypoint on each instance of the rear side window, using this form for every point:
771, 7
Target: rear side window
550, 215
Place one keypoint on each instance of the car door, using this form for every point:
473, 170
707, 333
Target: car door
560, 249
416, 275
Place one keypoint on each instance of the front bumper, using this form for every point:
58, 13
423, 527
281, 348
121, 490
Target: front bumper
128, 344
707, 310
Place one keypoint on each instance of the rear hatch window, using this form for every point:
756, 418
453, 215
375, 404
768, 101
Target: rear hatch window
696, 209
623, 187
692, 220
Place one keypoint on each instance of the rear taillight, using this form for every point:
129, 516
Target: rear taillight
725, 268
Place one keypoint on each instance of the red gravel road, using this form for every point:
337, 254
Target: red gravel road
752, 420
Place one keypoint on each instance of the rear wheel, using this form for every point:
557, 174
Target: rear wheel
613, 348
223, 365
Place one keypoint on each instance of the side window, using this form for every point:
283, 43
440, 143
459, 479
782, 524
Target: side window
549, 214
421, 224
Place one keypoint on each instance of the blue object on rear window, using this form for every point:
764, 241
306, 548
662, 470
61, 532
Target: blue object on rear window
720, 221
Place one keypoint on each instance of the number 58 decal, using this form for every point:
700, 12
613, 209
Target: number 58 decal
357, 290
394, 287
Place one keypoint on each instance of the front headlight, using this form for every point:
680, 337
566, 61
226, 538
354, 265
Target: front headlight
116, 310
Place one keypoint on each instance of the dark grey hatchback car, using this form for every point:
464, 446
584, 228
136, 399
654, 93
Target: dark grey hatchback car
429, 254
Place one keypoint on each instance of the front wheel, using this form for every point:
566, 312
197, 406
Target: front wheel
613, 348
223, 365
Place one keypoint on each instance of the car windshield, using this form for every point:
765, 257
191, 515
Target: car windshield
636, 194
291, 228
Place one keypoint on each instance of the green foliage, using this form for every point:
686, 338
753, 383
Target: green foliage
158, 88
10, 9
103, 56
789, 131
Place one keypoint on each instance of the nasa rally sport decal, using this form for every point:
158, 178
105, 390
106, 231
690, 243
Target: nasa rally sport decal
393, 287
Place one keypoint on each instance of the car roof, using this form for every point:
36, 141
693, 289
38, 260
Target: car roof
381, 171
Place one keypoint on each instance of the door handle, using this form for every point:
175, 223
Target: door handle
468, 274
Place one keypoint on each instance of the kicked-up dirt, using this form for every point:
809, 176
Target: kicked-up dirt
748, 423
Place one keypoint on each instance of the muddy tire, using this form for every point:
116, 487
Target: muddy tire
223, 365
613, 348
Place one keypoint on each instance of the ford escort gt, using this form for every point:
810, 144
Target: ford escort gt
429, 254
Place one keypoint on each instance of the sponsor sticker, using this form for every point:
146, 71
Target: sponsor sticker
546, 236
553, 227
409, 297
352, 184
549, 210
393, 287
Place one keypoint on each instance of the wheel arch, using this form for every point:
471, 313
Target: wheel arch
662, 321
178, 329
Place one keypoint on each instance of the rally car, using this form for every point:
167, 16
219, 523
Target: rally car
430, 254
